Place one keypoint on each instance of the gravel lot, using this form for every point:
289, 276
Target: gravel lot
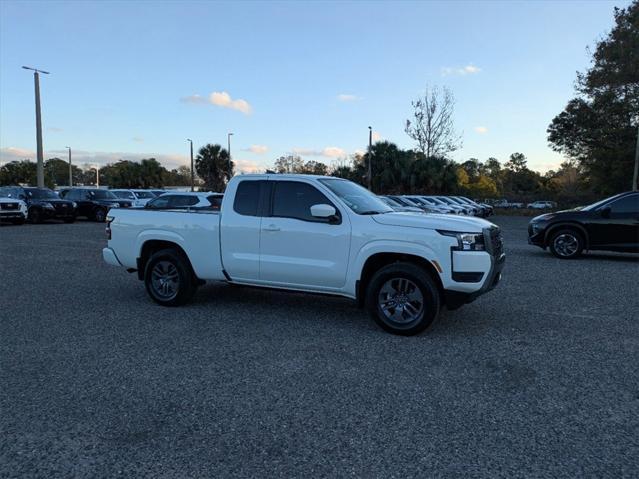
538, 378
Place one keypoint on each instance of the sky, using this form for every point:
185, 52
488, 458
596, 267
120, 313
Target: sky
132, 80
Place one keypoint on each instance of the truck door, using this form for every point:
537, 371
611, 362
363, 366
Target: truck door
298, 249
240, 231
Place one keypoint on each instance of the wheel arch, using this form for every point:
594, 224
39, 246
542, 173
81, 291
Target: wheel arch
152, 246
378, 260
567, 225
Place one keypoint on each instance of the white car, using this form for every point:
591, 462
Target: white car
316, 234
139, 198
541, 205
13, 210
184, 200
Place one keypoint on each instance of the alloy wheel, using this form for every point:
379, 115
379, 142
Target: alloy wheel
566, 245
401, 300
165, 280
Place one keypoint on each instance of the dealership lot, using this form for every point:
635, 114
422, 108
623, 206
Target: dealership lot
538, 378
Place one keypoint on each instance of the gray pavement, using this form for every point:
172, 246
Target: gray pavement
539, 378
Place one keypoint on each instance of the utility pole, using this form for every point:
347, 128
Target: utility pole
36, 81
70, 170
192, 173
370, 158
635, 176
97, 176
228, 140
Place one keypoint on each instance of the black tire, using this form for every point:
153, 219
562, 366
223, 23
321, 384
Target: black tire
566, 243
173, 268
401, 317
35, 216
69, 220
99, 215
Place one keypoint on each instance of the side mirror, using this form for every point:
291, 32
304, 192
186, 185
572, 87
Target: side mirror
323, 211
605, 212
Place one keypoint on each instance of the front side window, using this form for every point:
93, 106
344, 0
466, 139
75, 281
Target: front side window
247, 198
293, 199
357, 198
628, 204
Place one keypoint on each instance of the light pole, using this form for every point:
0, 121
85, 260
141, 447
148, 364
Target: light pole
97, 176
70, 170
370, 158
192, 173
228, 142
36, 81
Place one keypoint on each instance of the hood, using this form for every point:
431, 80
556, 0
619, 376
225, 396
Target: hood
455, 223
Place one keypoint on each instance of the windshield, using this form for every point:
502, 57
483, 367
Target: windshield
390, 202
437, 201
144, 194
596, 205
103, 195
358, 199
124, 194
41, 194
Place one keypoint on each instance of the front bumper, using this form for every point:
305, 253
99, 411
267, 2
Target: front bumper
109, 257
12, 215
456, 299
536, 236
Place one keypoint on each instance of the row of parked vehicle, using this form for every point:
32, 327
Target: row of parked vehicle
455, 205
535, 205
20, 204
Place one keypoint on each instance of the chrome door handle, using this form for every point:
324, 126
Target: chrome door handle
271, 228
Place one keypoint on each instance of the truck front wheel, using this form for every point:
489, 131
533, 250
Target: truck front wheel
403, 299
169, 279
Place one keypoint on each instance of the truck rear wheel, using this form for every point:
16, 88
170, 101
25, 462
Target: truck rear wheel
403, 299
169, 279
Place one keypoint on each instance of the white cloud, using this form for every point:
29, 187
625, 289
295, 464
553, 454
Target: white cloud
221, 99
347, 97
469, 69
81, 157
247, 166
138, 139
481, 129
257, 149
329, 151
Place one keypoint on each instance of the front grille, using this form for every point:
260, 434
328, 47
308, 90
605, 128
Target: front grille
494, 241
9, 206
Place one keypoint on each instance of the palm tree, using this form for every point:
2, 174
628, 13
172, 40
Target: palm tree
213, 166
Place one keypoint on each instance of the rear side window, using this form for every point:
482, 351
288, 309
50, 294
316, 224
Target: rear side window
216, 202
293, 199
247, 198
183, 201
629, 204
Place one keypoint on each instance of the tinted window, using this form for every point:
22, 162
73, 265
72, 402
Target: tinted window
293, 199
629, 204
159, 203
124, 194
247, 198
183, 201
216, 202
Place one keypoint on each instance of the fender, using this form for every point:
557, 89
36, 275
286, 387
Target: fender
384, 246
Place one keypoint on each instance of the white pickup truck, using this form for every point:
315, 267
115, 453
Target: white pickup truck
315, 234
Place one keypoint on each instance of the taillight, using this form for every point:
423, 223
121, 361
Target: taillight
107, 230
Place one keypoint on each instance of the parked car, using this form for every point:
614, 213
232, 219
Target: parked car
507, 204
138, 198
439, 200
94, 203
611, 224
158, 192
483, 209
13, 210
42, 203
440, 207
541, 205
316, 234
425, 205
399, 207
186, 201
471, 209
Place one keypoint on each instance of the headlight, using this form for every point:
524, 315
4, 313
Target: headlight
467, 241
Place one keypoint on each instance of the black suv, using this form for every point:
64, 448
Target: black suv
611, 224
43, 204
94, 203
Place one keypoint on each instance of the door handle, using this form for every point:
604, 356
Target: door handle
271, 228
